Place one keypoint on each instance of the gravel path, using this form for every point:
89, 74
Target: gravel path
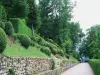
80, 69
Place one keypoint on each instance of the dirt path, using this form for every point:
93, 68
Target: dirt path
80, 69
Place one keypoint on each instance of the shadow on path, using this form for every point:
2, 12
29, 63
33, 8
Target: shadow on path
80, 69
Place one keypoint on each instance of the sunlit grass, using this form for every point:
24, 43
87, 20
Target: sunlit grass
18, 50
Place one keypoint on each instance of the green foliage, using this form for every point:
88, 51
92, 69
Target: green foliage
15, 22
75, 33
3, 40
16, 49
19, 25
52, 46
34, 15
16, 8
52, 64
95, 64
24, 39
21, 9
46, 50
9, 28
3, 14
55, 25
61, 52
2, 25
11, 72
91, 45
67, 46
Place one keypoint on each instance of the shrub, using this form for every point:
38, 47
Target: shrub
36, 38
15, 22
95, 64
52, 64
61, 52
53, 49
19, 25
3, 40
24, 39
9, 28
50, 40
11, 72
2, 25
46, 50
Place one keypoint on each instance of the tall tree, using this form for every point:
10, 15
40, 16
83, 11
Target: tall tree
91, 44
55, 15
16, 8
3, 14
34, 15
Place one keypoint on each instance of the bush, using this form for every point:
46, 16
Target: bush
52, 64
11, 72
61, 52
9, 28
3, 40
24, 39
19, 25
53, 49
46, 50
15, 22
95, 64
2, 25
36, 38
50, 40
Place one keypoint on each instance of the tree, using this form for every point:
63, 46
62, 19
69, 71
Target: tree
16, 8
34, 15
3, 14
91, 44
75, 33
55, 15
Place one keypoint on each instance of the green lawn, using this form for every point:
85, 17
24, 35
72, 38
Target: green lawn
17, 50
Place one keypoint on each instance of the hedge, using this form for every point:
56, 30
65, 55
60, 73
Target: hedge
20, 26
95, 64
3, 40
9, 28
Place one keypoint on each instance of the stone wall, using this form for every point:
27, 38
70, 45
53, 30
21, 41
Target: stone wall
31, 66
24, 65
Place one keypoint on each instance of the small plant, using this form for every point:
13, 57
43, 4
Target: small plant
9, 28
11, 72
46, 50
3, 40
52, 64
61, 52
2, 25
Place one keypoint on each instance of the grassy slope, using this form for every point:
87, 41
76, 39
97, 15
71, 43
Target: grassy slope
18, 50
23, 29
